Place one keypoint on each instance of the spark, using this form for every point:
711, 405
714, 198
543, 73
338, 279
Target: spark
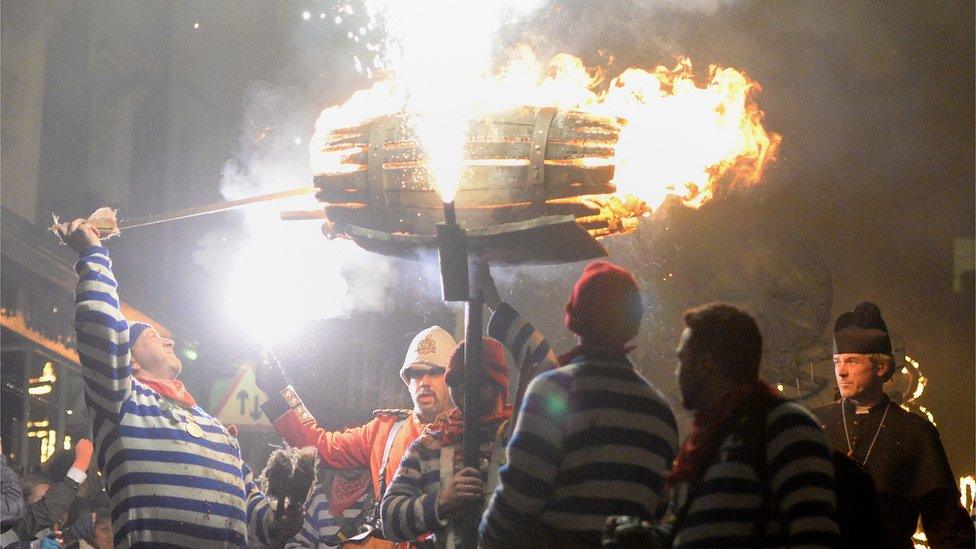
196, 25
306, 15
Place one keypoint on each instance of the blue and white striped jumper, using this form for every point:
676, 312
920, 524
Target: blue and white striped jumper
726, 506
593, 439
321, 528
167, 487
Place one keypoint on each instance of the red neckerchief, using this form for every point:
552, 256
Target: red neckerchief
347, 488
708, 431
172, 389
449, 426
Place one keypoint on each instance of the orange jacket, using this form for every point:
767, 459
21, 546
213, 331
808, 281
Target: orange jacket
353, 448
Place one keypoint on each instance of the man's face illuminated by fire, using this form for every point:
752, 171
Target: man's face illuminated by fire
428, 391
690, 372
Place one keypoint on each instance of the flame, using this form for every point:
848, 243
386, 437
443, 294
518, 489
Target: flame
967, 491
677, 136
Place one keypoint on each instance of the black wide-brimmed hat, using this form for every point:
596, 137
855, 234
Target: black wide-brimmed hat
861, 331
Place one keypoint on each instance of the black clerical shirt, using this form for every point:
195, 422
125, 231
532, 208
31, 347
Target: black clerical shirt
909, 467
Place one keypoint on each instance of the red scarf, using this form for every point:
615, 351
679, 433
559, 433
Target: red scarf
171, 389
448, 428
347, 488
710, 428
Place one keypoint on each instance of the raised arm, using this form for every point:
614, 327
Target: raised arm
527, 345
103, 333
48, 510
346, 449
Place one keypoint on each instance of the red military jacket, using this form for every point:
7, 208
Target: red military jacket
354, 448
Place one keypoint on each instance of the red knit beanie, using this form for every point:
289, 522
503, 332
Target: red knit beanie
492, 363
605, 306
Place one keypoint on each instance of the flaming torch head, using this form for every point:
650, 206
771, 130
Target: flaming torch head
553, 147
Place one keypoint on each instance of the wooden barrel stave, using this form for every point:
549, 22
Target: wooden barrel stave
500, 181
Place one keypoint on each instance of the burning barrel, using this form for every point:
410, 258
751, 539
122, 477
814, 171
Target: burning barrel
519, 164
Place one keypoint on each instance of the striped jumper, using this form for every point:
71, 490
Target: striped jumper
168, 488
725, 509
593, 439
409, 507
321, 528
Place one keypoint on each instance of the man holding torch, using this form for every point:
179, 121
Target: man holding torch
380, 444
173, 473
432, 487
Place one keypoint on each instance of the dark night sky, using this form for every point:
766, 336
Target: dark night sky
874, 101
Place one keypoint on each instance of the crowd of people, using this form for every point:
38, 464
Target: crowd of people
587, 456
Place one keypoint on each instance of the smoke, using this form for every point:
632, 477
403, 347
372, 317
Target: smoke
282, 274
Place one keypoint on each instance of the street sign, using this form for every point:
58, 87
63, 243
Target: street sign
240, 403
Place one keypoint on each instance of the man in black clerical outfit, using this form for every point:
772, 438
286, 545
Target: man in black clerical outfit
900, 450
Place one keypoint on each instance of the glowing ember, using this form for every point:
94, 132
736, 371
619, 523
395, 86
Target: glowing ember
676, 136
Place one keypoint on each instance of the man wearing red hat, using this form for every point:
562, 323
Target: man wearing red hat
379, 445
432, 485
593, 437
900, 450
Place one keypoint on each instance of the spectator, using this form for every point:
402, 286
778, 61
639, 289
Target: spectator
49, 502
899, 449
12, 498
756, 470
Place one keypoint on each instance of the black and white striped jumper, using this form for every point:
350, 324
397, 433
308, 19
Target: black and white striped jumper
593, 439
733, 507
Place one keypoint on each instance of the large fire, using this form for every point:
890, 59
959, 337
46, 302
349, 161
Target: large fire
677, 135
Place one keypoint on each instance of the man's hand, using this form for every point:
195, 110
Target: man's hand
78, 234
464, 487
625, 532
268, 374
83, 454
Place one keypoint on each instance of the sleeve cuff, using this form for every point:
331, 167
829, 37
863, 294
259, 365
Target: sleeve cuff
92, 250
77, 475
287, 401
429, 504
276, 406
